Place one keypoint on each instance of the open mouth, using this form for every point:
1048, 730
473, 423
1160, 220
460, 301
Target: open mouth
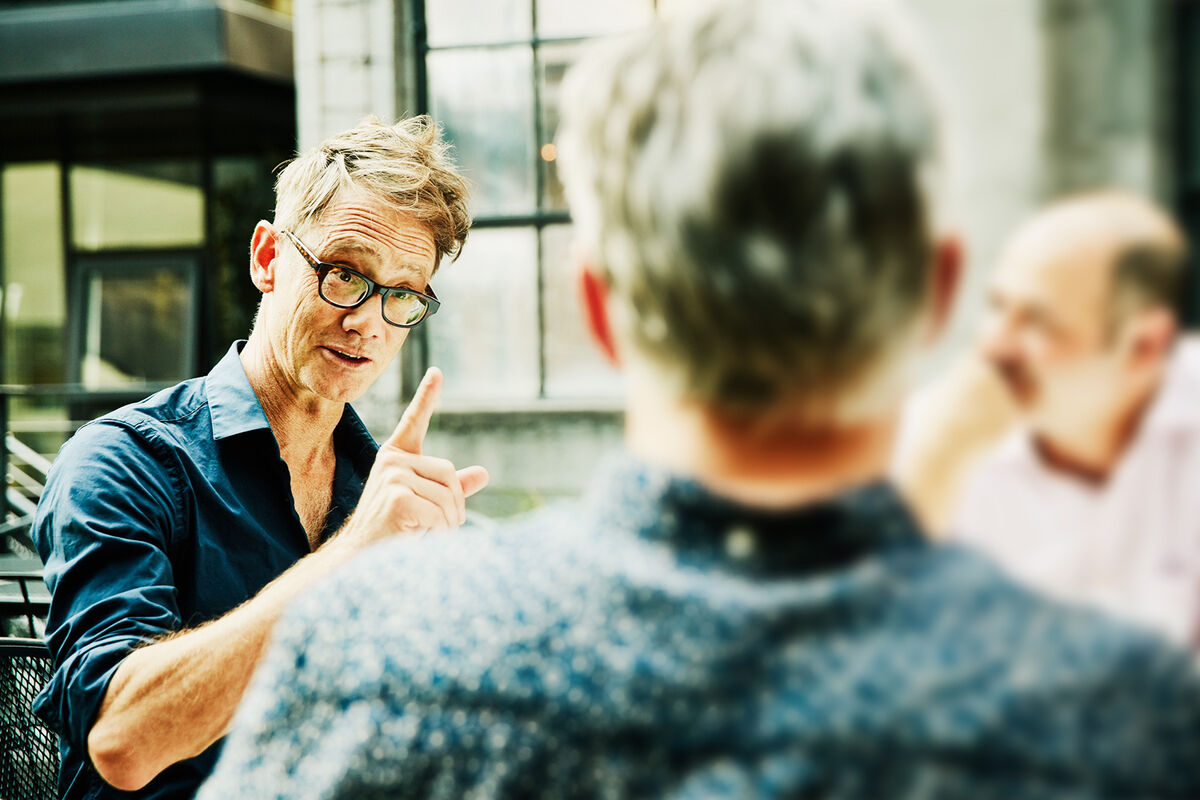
348, 358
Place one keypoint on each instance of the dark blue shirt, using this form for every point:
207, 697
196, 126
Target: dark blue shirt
661, 642
157, 517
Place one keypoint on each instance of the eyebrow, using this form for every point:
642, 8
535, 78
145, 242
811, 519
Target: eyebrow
343, 248
340, 248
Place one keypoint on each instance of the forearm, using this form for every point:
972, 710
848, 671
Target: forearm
172, 699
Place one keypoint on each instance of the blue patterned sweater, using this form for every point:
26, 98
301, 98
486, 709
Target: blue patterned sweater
659, 641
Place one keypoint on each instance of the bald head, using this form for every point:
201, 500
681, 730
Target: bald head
1108, 254
1082, 309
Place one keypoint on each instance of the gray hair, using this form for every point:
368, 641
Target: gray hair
407, 164
751, 180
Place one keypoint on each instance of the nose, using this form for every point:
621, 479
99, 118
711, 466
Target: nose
999, 338
365, 320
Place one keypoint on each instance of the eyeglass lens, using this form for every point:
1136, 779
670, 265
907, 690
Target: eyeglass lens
344, 288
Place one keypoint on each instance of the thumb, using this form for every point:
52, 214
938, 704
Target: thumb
472, 479
409, 435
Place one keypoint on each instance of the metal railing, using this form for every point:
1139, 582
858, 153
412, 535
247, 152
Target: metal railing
23, 466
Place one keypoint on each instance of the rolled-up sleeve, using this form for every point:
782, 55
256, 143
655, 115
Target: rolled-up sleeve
103, 529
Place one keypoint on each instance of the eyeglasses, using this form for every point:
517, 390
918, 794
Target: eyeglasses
345, 288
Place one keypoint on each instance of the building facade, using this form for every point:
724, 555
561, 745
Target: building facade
137, 142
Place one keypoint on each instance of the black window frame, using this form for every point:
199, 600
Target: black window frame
413, 368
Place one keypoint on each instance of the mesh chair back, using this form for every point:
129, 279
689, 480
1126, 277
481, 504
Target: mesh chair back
29, 756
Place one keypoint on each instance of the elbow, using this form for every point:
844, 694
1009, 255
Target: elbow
114, 756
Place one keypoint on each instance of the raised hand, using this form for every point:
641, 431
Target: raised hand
410, 491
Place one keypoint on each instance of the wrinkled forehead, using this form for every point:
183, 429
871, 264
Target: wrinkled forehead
376, 235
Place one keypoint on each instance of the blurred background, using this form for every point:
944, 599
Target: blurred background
138, 140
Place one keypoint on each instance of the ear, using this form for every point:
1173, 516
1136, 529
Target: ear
945, 279
264, 248
1148, 337
593, 294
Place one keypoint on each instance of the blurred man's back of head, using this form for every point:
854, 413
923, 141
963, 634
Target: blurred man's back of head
755, 185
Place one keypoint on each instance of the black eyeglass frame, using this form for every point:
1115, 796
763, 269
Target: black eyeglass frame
432, 304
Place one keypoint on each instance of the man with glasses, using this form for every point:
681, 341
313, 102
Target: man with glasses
174, 531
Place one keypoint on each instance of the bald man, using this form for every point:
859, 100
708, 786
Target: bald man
1068, 446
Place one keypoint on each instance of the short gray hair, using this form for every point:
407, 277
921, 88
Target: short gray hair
752, 182
407, 164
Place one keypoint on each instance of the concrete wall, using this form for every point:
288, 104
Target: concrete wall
1043, 96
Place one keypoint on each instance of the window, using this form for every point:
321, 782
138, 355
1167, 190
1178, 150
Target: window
137, 319
510, 331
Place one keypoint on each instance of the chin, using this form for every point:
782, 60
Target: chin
339, 389
342, 392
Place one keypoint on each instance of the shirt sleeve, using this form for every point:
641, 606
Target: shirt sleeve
103, 529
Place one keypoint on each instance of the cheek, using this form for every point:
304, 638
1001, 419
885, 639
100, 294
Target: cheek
1053, 352
396, 339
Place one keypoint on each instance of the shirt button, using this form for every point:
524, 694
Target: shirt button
740, 542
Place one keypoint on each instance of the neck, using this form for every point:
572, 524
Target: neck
769, 465
1091, 452
302, 422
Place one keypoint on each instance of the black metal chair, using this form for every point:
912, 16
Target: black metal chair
29, 757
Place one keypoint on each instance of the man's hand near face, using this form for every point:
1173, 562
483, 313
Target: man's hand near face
410, 491
947, 427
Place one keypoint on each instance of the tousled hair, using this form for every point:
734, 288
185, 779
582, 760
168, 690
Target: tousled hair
407, 164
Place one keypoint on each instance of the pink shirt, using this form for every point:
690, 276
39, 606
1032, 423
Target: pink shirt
1130, 546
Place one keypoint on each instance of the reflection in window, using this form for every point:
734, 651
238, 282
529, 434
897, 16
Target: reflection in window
34, 272
457, 22
137, 325
494, 70
34, 269
483, 100
571, 18
241, 194
485, 336
574, 365
137, 204
553, 62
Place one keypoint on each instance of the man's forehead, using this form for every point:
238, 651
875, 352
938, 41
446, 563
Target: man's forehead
375, 232
1069, 285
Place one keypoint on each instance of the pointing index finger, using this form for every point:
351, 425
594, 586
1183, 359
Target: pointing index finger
410, 432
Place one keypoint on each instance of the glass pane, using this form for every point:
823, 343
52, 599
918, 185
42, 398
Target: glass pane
242, 194
137, 326
34, 286
484, 99
451, 22
574, 365
553, 62
484, 338
137, 204
559, 18
35, 300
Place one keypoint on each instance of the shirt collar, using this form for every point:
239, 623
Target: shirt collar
235, 409
635, 497
352, 438
232, 403
1175, 405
